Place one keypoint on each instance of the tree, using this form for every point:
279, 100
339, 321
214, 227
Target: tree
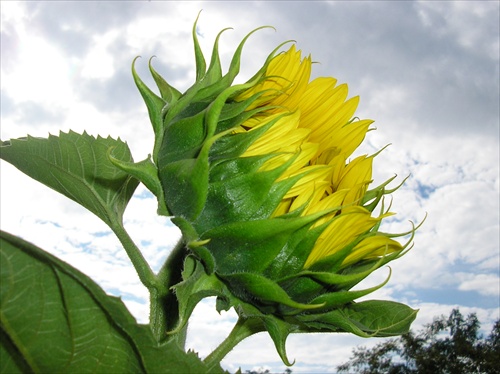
447, 345
266, 371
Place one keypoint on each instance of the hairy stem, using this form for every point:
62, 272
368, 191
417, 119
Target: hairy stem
164, 308
146, 275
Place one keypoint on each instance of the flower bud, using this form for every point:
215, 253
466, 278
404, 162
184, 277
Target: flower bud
280, 222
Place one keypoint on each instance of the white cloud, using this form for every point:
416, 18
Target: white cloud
204, 337
39, 74
12, 17
154, 234
485, 284
99, 63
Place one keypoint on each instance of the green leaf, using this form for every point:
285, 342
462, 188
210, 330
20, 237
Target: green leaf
372, 318
55, 319
78, 167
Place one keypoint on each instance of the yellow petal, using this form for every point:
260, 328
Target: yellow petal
346, 138
312, 174
372, 247
275, 137
343, 230
335, 119
286, 79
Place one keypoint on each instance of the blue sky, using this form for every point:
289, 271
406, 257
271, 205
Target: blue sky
426, 72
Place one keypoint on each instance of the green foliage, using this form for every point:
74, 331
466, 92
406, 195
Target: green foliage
54, 319
266, 371
78, 167
447, 345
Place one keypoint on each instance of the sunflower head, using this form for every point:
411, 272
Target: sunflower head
279, 219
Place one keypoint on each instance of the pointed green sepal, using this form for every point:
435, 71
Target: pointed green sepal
372, 318
168, 93
183, 139
205, 256
146, 172
214, 72
233, 145
246, 196
155, 105
336, 299
185, 185
194, 288
278, 331
263, 289
291, 259
345, 280
198, 53
251, 246
226, 81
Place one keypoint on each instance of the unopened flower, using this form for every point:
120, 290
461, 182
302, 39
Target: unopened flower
280, 222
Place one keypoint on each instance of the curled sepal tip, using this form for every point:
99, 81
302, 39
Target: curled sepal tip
279, 331
201, 65
336, 299
168, 93
155, 105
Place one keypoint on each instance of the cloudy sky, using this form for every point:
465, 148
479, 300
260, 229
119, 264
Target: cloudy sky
427, 73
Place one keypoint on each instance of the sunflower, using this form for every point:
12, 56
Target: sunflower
278, 220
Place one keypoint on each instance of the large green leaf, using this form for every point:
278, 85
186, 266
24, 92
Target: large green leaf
54, 319
78, 167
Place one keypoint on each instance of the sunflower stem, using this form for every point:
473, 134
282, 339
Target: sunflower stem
146, 275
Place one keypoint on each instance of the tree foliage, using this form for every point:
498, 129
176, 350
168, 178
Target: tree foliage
447, 345
266, 371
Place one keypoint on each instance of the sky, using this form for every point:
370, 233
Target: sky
427, 72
